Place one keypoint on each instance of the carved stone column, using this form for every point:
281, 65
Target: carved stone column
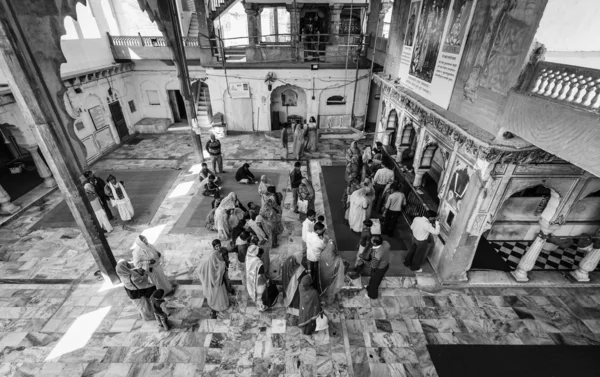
527, 262
419, 173
41, 166
253, 19
588, 263
400, 152
6, 207
335, 19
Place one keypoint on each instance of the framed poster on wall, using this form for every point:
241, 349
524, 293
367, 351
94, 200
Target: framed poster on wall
436, 33
97, 116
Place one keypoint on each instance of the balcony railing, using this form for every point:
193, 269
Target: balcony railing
577, 86
317, 47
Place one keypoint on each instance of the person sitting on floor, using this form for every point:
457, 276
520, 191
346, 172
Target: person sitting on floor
243, 175
205, 173
208, 187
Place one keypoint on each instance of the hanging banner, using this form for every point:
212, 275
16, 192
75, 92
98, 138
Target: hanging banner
435, 37
239, 90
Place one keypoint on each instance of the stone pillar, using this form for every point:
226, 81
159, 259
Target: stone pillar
41, 167
165, 14
253, 20
588, 263
24, 37
453, 259
6, 207
400, 152
527, 262
419, 173
335, 19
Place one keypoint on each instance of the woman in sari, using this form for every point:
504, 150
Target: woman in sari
270, 217
263, 185
307, 192
353, 156
331, 272
255, 225
211, 274
359, 203
310, 306
236, 216
313, 136
146, 257
256, 281
292, 271
138, 288
222, 217
354, 185
367, 183
299, 134
210, 220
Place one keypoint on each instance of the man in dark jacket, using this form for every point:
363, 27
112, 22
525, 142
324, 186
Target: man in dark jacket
243, 175
98, 185
295, 181
213, 146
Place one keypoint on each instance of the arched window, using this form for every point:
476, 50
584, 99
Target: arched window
408, 134
427, 156
392, 122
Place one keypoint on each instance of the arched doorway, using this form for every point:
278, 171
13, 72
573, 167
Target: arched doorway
392, 126
514, 226
287, 102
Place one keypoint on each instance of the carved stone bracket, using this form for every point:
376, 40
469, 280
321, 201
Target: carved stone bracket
467, 142
98, 74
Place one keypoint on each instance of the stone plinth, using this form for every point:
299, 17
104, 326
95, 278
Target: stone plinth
152, 125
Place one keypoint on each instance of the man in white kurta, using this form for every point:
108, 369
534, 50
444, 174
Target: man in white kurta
119, 198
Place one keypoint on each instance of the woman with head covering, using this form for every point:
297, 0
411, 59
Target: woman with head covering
210, 220
367, 183
211, 274
146, 257
354, 185
256, 281
138, 288
263, 185
97, 207
310, 306
222, 217
292, 271
236, 216
270, 216
331, 272
313, 135
353, 158
118, 197
299, 134
307, 192
359, 203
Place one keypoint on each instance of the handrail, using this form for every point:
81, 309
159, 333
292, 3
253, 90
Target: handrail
572, 85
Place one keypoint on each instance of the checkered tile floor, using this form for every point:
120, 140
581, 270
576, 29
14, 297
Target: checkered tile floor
559, 259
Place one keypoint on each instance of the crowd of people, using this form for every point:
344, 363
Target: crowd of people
249, 231
305, 137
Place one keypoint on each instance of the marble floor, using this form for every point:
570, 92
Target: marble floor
57, 320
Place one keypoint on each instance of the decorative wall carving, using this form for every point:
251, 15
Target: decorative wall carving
467, 143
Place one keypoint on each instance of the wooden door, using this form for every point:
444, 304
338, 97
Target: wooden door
119, 119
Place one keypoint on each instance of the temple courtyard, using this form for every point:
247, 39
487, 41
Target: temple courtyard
58, 319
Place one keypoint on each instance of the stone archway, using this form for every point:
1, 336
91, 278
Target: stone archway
287, 101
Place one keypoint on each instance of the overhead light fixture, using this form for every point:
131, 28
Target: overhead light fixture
314, 67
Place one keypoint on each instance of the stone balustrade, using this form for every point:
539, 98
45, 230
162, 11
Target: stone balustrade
577, 86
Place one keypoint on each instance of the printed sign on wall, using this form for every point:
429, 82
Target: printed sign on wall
239, 90
436, 32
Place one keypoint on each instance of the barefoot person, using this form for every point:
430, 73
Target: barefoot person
98, 184
97, 207
244, 175
421, 228
211, 274
146, 257
380, 263
119, 198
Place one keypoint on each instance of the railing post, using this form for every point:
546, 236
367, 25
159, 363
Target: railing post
141, 39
